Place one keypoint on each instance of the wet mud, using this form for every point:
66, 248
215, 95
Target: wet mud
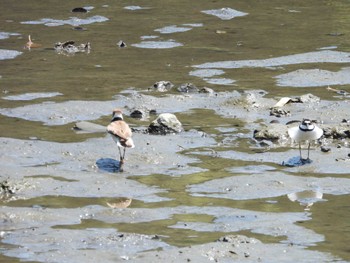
90, 170
227, 184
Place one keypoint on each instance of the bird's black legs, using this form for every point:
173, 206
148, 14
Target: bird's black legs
308, 151
121, 159
308, 154
124, 153
120, 154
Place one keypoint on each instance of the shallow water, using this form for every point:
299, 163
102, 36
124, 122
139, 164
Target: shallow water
173, 41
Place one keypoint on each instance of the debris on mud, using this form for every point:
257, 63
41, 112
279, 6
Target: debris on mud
70, 48
7, 189
30, 44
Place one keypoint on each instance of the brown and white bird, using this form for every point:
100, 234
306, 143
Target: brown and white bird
306, 131
121, 134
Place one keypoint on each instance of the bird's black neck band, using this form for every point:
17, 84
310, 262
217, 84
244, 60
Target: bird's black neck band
306, 130
116, 119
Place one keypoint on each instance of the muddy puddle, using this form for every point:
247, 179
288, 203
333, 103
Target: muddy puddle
229, 187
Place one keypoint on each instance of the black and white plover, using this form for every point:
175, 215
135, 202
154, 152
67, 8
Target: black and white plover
121, 134
306, 131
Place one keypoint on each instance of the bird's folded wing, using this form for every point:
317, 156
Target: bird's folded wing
120, 129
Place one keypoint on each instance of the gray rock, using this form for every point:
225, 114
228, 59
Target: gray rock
272, 132
164, 124
138, 114
162, 86
337, 132
309, 98
188, 88
206, 90
279, 112
325, 149
121, 44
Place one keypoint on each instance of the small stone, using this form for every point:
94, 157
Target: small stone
137, 114
153, 112
206, 90
309, 98
188, 88
121, 44
79, 10
279, 112
79, 28
325, 149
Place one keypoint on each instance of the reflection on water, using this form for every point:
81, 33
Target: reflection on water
222, 45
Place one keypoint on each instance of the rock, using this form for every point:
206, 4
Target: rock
153, 112
162, 86
79, 28
309, 98
236, 239
142, 114
121, 43
79, 10
206, 90
188, 88
278, 112
325, 149
337, 132
272, 132
164, 124
138, 114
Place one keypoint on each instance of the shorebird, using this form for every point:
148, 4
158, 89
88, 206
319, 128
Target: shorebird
121, 134
306, 131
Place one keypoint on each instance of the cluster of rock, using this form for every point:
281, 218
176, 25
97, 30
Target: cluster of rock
69, 47
275, 131
165, 123
165, 86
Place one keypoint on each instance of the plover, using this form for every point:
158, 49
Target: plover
306, 131
121, 134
